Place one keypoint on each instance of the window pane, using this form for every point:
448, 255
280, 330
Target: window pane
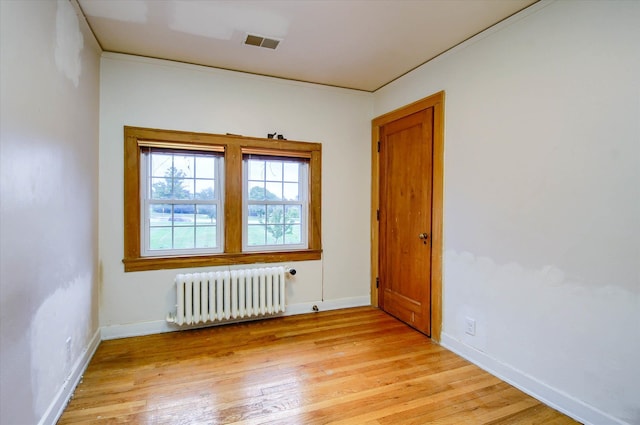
205, 167
273, 171
275, 214
291, 170
256, 191
184, 214
207, 214
274, 191
292, 234
257, 214
206, 190
293, 214
160, 215
184, 165
274, 234
183, 237
291, 191
183, 188
160, 238
206, 237
256, 169
161, 188
256, 234
160, 164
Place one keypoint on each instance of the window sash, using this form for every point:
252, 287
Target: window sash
147, 202
302, 202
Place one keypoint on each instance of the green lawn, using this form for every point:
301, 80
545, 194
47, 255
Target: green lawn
258, 234
188, 234
184, 237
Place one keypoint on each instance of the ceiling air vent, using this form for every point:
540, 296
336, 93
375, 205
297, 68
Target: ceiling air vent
257, 40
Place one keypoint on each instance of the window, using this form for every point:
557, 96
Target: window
194, 199
275, 203
180, 193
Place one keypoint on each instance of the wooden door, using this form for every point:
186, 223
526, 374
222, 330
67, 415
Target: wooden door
406, 168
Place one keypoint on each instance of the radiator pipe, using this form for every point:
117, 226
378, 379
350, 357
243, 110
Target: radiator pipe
291, 271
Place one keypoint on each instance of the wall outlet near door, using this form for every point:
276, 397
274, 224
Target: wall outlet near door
469, 326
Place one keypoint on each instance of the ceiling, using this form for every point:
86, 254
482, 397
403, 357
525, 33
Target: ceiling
357, 44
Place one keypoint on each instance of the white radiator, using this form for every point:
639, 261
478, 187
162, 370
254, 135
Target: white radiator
228, 295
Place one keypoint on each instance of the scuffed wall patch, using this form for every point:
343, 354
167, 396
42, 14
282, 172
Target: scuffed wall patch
60, 318
69, 42
571, 333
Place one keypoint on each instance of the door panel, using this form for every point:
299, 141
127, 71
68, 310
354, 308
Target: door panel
406, 150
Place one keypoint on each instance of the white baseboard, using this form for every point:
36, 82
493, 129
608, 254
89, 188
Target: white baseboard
63, 396
161, 326
548, 395
328, 305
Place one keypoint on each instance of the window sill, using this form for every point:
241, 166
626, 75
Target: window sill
161, 263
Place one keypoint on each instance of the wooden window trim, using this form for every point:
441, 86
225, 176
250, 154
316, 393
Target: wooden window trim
233, 147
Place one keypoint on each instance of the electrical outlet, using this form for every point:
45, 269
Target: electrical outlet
470, 326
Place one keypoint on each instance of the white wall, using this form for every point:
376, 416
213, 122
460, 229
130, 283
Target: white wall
159, 94
542, 201
48, 213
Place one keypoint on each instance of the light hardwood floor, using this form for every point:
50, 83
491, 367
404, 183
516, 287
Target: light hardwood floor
354, 366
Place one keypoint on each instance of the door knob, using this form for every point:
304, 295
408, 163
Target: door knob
423, 236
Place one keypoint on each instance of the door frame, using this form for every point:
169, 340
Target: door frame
435, 101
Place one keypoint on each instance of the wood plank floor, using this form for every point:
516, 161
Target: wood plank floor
355, 366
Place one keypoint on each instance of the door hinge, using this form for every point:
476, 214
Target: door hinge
378, 215
377, 282
378, 145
